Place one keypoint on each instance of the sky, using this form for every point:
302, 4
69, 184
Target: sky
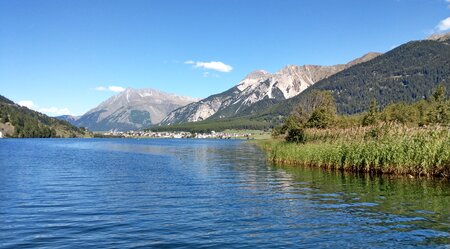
66, 57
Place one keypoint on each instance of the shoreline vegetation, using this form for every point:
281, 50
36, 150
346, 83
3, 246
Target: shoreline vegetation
404, 139
397, 150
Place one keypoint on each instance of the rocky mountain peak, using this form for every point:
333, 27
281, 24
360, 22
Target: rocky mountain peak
289, 69
132, 109
439, 37
257, 74
258, 86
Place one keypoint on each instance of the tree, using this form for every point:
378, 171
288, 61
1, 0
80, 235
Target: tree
400, 113
439, 112
421, 107
371, 116
296, 135
317, 111
321, 118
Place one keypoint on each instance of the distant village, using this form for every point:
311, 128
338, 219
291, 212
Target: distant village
181, 134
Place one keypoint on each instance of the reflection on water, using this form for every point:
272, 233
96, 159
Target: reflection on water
393, 204
203, 193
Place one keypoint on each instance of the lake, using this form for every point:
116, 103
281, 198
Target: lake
128, 193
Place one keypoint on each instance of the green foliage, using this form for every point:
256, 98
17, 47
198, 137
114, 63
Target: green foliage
277, 131
434, 111
5, 100
400, 113
28, 123
371, 118
321, 118
439, 112
296, 135
411, 139
391, 149
318, 112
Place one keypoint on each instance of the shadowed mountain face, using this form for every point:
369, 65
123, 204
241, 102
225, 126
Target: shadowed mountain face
68, 118
131, 109
257, 91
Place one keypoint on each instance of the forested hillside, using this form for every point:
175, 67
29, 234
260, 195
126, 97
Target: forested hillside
407, 73
19, 121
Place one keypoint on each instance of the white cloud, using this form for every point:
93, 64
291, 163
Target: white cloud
100, 88
215, 65
212, 65
444, 25
55, 111
116, 89
27, 103
51, 111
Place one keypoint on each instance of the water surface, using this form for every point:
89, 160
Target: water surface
125, 193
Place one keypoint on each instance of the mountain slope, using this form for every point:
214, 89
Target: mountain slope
131, 109
19, 121
69, 118
405, 74
256, 91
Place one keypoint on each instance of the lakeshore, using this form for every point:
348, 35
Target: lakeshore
226, 134
384, 149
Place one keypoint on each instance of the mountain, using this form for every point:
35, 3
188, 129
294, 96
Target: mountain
19, 121
131, 109
407, 73
257, 91
440, 37
69, 118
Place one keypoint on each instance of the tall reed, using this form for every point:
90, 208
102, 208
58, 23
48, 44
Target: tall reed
387, 148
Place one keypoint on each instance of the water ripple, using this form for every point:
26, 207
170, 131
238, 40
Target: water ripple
124, 193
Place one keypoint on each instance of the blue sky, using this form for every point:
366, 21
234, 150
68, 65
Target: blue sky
66, 56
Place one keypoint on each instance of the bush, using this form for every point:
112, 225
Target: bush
296, 135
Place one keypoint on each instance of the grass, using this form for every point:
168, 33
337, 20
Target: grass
390, 149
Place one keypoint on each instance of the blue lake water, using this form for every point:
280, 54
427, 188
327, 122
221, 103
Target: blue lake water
127, 193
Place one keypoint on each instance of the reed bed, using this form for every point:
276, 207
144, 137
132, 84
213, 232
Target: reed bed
388, 148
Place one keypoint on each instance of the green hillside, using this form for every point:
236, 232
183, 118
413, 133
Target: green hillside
21, 122
407, 73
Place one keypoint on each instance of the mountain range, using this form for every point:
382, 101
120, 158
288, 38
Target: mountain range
131, 109
406, 73
257, 91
